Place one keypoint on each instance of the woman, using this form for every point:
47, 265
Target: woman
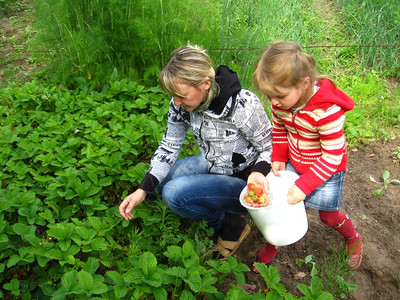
233, 133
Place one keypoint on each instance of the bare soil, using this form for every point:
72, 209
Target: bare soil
377, 218
16, 62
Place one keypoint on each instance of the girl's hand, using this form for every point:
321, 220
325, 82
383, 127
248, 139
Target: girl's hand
278, 166
134, 199
295, 195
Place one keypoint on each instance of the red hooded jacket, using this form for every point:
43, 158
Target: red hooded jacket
313, 138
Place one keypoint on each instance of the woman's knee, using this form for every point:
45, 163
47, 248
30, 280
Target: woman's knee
168, 194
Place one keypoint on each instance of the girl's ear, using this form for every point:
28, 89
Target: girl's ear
306, 83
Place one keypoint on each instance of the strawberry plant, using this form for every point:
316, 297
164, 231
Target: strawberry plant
386, 182
68, 157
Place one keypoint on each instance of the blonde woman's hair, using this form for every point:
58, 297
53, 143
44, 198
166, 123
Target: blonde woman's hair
284, 64
189, 65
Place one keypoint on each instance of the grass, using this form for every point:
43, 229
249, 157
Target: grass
375, 25
334, 272
376, 115
133, 39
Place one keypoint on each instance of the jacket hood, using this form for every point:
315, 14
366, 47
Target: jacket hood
327, 95
229, 86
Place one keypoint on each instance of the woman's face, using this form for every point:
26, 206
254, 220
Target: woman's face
191, 96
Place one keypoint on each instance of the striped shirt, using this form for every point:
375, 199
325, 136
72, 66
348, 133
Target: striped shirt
312, 138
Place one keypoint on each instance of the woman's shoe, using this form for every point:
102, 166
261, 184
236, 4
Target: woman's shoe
233, 232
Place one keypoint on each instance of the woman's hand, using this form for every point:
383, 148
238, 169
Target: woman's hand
295, 195
278, 166
257, 178
134, 199
260, 181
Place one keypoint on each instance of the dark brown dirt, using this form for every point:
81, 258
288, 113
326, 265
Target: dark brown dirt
377, 218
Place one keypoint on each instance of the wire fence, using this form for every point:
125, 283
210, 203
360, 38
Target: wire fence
237, 48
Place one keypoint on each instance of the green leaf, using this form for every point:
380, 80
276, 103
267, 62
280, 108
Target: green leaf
99, 288
69, 280
187, 249
385, 176
47, 215
116, 277
13, 285
91, 265
86, 280
23, 230
55, 254
120, 291
3, 238
13, 260
316, 285
325, 296
96, 223
99, 243
42, 261
86, 201
161, 294
61, 231
85, 234
106, 181
134, 275
81, 189
68, 211
177, 272
74, 249
154, 280
32, 239
148, 263
194, 281
93, 177
64, 244
29, 213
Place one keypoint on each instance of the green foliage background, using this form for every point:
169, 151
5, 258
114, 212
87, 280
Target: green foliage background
105, 40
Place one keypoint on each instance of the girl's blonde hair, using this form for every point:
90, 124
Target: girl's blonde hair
189, 65
284, 64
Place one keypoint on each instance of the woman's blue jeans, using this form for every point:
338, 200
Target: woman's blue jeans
192, 192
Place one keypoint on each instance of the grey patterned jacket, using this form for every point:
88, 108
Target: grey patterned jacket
233, 134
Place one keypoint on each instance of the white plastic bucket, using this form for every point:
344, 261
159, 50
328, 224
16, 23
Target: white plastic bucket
280, 223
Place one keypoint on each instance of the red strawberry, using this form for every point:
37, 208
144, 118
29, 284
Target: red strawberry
258, 191
251, 186
249, 200
261, 200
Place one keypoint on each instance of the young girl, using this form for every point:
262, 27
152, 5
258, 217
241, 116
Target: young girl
308, 115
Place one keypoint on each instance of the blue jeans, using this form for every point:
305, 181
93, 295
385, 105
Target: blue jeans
192, 192
327, 196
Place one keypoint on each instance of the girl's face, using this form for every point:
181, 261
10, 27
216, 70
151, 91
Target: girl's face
191, 96
291, 97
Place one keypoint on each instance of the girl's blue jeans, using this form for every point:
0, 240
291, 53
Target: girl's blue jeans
192, 192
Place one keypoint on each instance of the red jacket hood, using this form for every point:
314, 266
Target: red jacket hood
327, 95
